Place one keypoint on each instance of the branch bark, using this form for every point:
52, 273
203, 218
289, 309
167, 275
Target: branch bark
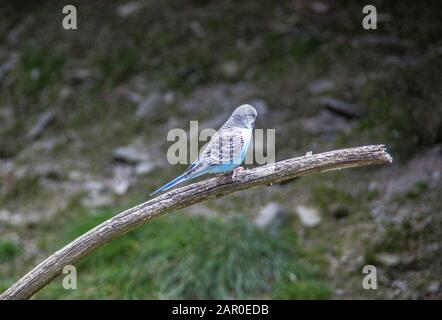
185, 196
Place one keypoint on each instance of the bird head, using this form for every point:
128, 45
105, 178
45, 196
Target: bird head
244, 116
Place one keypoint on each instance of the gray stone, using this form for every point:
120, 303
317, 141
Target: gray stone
78, 76
132, 154
321, 86
129, 8
15, 35
19, 219
120, 186
197, 29
434, 287
35, 74
8, 65
122, 179
272, 213
45, 119
401, 285
169, 97
308, 216
7, 167
144, 168
94, 187
341, 108
148, 104
319, 7
97, 201
230, 69
388, 259
326, 122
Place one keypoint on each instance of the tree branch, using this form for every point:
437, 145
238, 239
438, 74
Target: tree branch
185, 196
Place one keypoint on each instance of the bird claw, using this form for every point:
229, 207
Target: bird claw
235, 171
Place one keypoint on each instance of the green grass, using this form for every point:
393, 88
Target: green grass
327, 196
302, 289
20, 190
416, 192
8, 250
181, 257
41, 68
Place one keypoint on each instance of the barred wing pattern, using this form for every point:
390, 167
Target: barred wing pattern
225, 147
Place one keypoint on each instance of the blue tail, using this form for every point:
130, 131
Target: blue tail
170, 184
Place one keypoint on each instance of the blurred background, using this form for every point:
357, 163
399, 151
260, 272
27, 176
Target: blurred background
84, 116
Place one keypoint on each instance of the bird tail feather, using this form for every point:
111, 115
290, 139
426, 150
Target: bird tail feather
171, 183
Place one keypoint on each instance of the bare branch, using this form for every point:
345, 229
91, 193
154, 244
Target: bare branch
216, 187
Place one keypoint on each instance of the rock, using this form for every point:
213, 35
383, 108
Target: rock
309, 216
42, 123
230, 69
382, 40
148, 104
401, 285
19, 219
388, 259
94, 187
6, 116
201, 210
65, 93
321, 86
122, 179
197, 29
76, 175
127, 94
35, 74
78, 76
129, 8
14, 36
401, 61
52, 142
97, 194
7, 167
341, 108
340, 292
169, 97
433, 287
326, 122
222, 98
97, 201
120, 187
8, 65
319, 7
144, 168
131, 154
272, 213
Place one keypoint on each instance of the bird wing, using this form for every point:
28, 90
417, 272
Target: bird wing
224, 147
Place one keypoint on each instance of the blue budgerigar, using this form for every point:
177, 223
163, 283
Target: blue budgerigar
226, 150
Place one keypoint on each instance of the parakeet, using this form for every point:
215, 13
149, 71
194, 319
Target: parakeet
226, 150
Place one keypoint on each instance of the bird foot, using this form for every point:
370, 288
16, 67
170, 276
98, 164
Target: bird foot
236, 170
